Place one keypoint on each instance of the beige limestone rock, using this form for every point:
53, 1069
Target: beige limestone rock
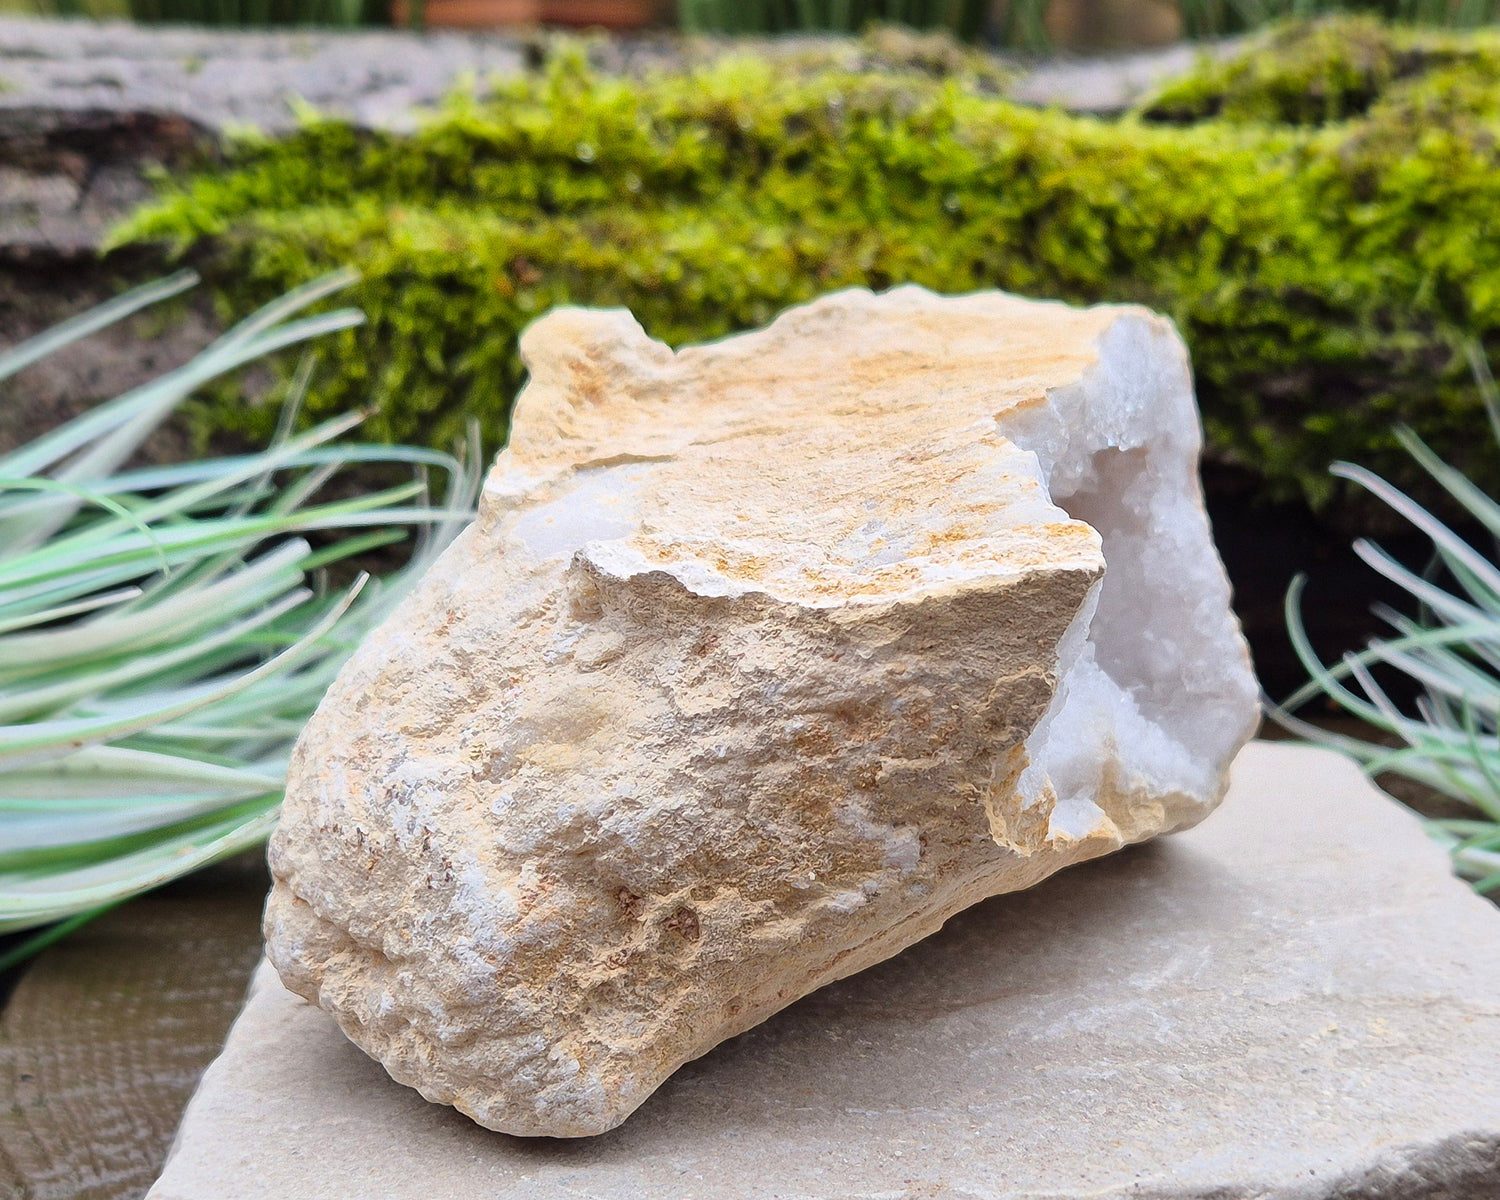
761, 660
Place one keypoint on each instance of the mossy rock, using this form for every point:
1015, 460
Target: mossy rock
1333, 70
1327, 259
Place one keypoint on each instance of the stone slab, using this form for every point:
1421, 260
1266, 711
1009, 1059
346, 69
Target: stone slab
1294, 1000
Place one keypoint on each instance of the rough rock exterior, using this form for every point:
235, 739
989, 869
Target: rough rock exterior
762, 660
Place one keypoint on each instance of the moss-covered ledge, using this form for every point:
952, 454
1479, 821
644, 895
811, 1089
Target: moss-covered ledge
1327, 267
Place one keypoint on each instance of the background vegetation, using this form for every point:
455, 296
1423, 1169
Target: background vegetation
1446, 654
966, 19
326, 13
166, 631
1321, 221
1011, 24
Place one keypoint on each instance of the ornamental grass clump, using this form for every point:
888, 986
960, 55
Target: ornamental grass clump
165, 631
1450, 651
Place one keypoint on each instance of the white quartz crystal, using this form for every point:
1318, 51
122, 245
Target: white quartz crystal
762, 659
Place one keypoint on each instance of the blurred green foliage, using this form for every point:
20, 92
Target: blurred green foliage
1022, 24
965, 19
1325, 268
230, 13
99, 10
256, 13
1338, 70
1218, 18
1012, 24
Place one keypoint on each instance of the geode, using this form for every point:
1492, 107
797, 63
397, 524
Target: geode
761, 660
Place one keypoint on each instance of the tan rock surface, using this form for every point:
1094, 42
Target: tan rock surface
761, 661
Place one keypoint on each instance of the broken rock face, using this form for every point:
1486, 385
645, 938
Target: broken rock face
762, 659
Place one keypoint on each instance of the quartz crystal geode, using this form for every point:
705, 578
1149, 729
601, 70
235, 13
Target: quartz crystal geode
761, 660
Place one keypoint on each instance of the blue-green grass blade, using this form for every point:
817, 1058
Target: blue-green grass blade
169, 619
24, 745
41, 898
40, 702
49, 838
272, 314
150, 402
1480, 506
48, 616
111, 773
1444, 539
21, 356
157, 478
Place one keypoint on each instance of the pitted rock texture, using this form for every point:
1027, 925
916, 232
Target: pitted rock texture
762, 660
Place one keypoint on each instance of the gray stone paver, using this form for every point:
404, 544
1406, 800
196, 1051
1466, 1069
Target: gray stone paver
220, 79
223, 78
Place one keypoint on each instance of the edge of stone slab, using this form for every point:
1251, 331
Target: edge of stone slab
1462, 1167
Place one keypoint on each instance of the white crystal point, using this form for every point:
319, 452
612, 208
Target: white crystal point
762, 659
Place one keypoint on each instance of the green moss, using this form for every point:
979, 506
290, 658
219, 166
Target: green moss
1324, 275
1331, 70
